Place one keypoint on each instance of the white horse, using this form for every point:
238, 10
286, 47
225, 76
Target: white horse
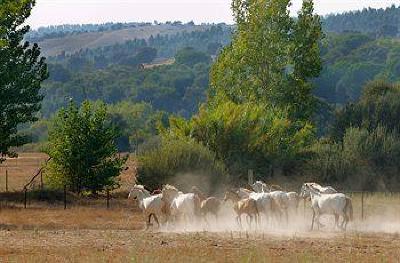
186, 206
336, 204
260, 187
323, 189
284, 201
266, 203
150, 205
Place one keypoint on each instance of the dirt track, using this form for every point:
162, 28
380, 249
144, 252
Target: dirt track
91, 235
122, 246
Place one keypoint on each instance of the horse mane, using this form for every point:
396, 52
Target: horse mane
138, 186
244, 189
198, 192
314, 185
169, 187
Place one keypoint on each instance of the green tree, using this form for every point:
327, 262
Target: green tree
247, 136
190, 57
379, 105
82, 148
272, 57
22, 71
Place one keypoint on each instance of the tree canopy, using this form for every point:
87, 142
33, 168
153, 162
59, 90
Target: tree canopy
82, 145
22, 71
272, 57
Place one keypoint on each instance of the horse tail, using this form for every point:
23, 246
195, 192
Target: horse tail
348, 208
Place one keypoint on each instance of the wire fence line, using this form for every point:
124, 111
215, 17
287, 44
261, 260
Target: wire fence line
30, 190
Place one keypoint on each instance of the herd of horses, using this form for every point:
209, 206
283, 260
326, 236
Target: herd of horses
262, 202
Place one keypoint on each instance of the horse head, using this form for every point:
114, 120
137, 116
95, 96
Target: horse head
305, 191
136, 192
231, 195
169, 192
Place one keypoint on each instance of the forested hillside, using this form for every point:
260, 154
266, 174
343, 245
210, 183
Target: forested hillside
160, 70
379, 22
115, 73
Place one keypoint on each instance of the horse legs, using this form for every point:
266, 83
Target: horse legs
248, 220
343, 226
147, 219
239, 220
313, 219
336, 220
250, 217
287, 216
155, 219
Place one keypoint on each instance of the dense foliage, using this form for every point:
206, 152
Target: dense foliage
272, 57
82, 148
380, 22
183, 162
275, 87
351, 60
364, 160
379, 106
247, 136
364, 148
254, 118
22, 71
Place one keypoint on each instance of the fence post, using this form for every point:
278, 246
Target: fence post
250, 177
6, 181
25, 196
41, 180
65, 197
108, 199
362, 206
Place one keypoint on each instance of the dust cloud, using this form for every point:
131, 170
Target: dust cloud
381, 215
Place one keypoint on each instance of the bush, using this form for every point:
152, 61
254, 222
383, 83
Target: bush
183, 162
379, 105
365, 160
247, 136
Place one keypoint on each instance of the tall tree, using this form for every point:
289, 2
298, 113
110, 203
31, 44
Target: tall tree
83, 149
21, 72
272, 57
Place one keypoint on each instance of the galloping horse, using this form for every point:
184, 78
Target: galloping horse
336, 204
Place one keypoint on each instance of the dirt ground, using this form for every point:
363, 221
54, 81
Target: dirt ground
84, 234
89, 232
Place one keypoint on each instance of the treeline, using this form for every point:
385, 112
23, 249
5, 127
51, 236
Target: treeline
209, 40
353, 59
176, 88
258, 107
58, 31
350, 61
379, 22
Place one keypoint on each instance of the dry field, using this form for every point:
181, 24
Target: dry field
20, 171
89, 232
84, 234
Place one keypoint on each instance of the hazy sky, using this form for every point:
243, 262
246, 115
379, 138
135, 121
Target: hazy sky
54, 12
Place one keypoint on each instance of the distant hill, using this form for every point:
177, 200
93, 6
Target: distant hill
73, 42
381, 22
101, 61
